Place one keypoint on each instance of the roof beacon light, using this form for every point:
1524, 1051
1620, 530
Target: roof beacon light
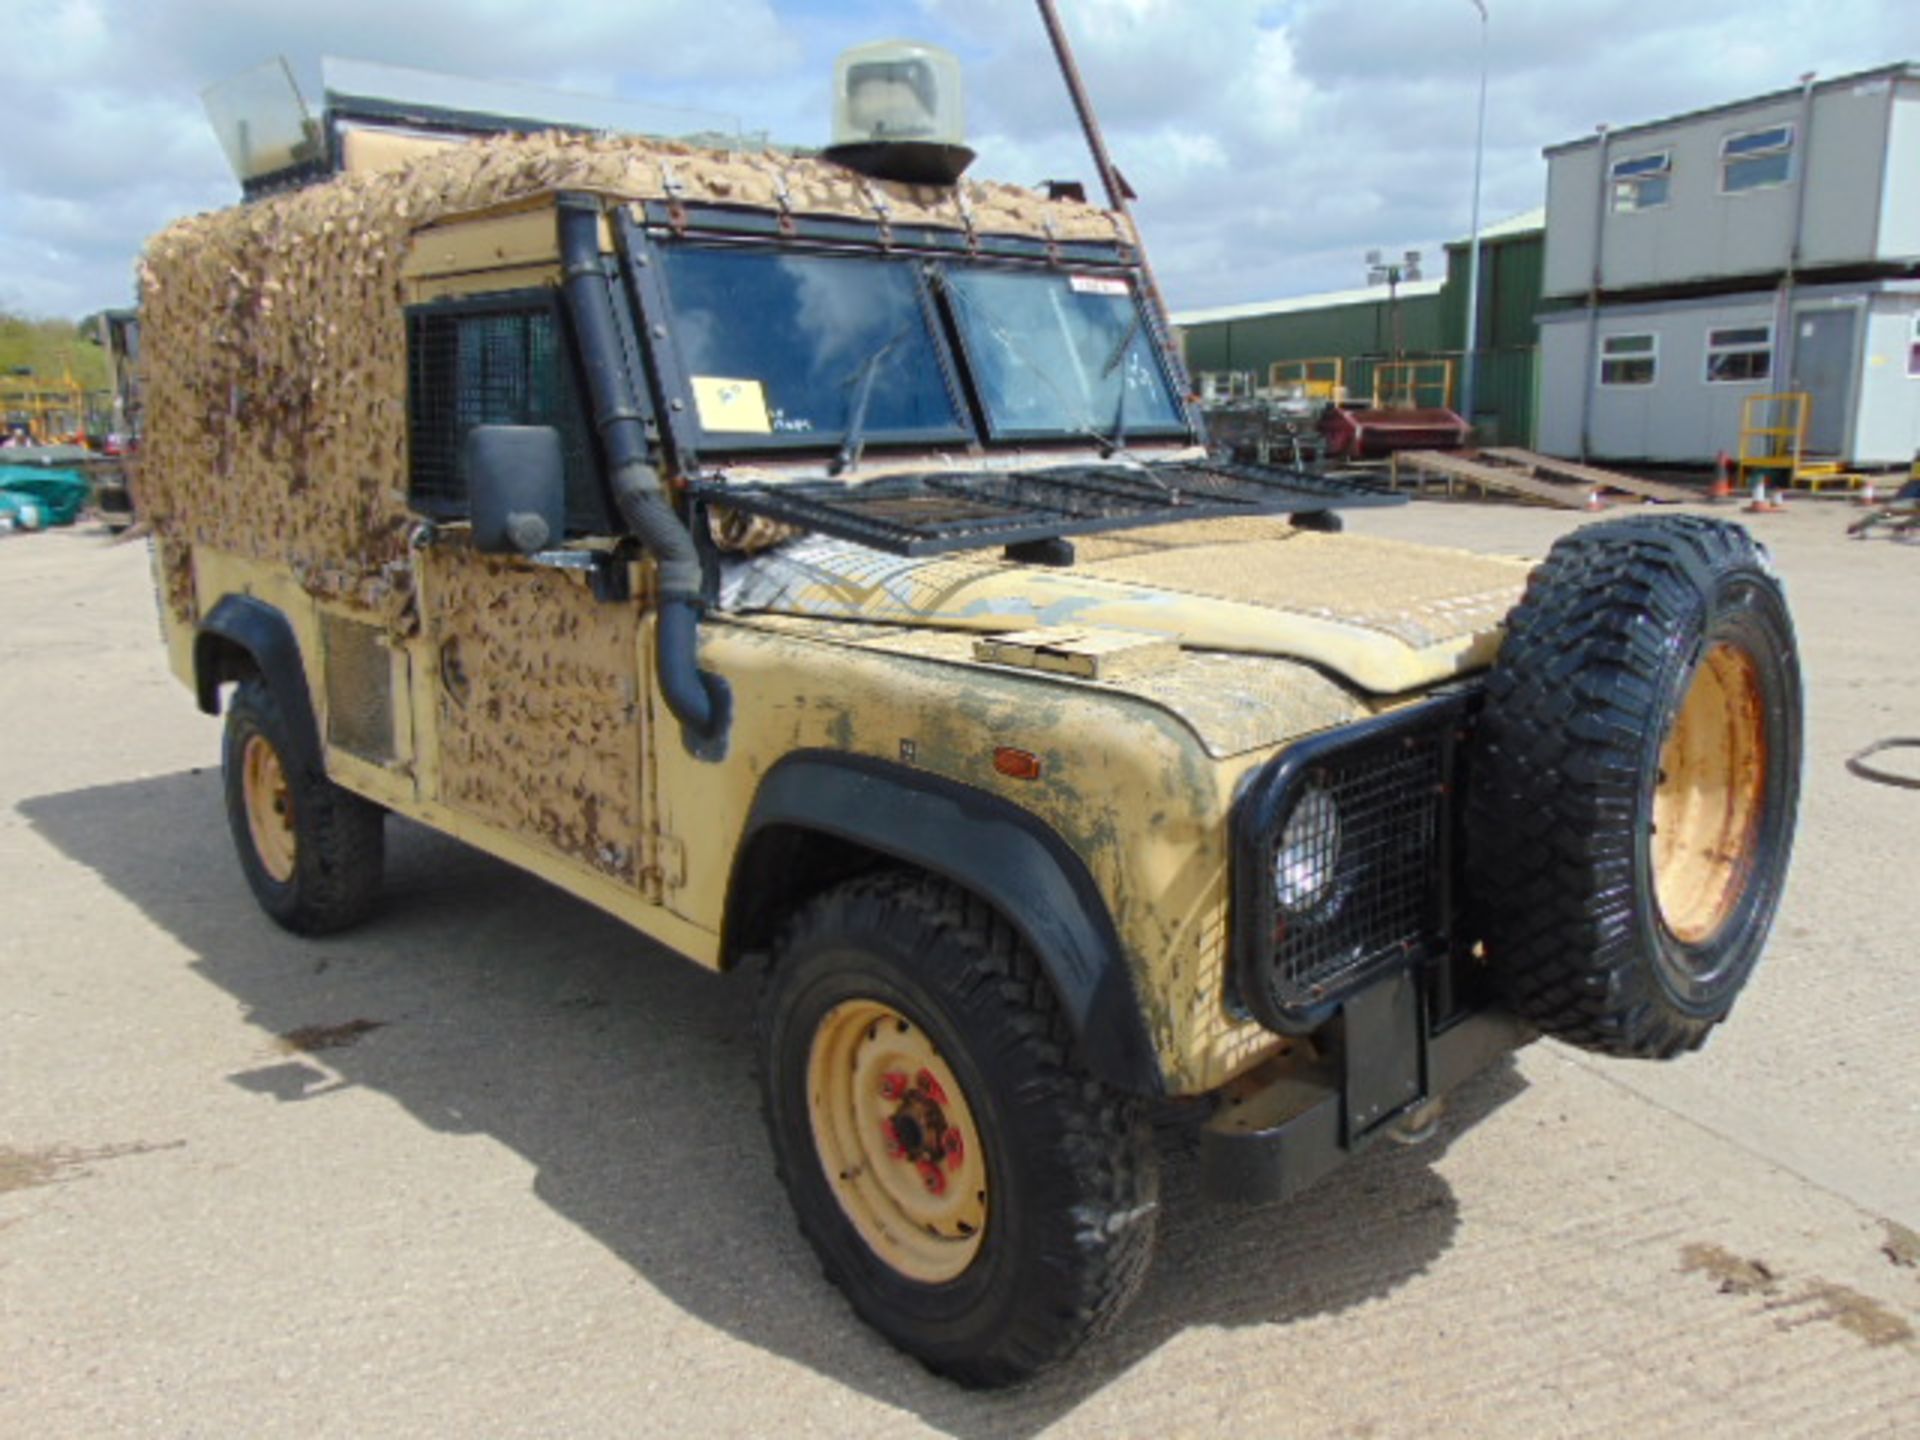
898, 113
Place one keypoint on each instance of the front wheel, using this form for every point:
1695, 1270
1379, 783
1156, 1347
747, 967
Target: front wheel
983, 1202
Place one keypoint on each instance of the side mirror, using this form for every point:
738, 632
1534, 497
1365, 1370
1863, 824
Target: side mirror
516, 488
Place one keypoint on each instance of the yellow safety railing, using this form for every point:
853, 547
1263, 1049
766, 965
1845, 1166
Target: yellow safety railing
1773, 433
51, 410
1413, 385
1773, 438
1316, 379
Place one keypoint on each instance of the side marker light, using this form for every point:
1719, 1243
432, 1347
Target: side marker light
1016, 764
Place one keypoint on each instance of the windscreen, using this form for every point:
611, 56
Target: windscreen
1055, 354
782, 348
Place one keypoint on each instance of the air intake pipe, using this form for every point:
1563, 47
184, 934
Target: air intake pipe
699, 701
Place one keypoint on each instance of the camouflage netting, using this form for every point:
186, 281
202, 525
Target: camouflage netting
275, 346
536, 712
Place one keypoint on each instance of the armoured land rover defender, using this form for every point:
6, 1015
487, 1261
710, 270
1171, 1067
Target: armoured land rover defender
818, 569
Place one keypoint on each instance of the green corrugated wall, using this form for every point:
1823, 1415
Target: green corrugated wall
1433, 326
1510, 280
1342, 330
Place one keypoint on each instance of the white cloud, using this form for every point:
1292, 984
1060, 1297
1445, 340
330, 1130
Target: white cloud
1336, 127
108, 141
1273, 142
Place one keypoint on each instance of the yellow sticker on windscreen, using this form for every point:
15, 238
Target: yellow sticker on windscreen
733, 407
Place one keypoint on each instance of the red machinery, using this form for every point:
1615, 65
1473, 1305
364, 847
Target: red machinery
1395, 419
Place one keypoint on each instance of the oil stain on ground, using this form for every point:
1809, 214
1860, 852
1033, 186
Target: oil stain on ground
1902, 1246
1735, 1275
311, 1038
30, 1169
1807, 1302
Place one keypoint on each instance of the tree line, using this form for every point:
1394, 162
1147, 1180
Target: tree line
50, 350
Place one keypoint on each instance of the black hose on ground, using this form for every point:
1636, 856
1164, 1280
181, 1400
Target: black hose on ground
1858, 763
698, 700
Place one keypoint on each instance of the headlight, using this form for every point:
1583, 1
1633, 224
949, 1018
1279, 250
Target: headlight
1307, 860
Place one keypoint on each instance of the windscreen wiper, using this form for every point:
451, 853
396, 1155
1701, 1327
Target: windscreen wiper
855, 439
1117, 442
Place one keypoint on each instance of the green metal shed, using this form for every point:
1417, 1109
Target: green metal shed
1354, 325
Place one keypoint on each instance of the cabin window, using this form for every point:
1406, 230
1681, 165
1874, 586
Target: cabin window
1739, 354
1642, 182
789, 349
1629, 359
500, 360
1756, 159
1060, 354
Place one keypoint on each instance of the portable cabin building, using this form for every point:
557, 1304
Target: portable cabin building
1758, 247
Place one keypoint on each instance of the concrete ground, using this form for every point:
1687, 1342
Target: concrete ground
487, 1167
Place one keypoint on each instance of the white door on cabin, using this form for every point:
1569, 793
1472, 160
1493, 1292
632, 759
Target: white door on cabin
1824, 348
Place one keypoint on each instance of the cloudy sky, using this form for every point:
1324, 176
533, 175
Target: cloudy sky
1273, 142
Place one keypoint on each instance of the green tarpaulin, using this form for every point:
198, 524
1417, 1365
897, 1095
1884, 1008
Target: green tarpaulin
52, 497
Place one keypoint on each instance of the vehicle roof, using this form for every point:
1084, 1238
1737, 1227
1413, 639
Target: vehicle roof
274, 345
444, 182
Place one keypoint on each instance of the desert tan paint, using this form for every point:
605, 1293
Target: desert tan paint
1124, 781
1389, 617
527, 723
1146, 809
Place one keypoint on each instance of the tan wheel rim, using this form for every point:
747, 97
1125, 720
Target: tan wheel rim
897, 1140
1707, 806
263, 781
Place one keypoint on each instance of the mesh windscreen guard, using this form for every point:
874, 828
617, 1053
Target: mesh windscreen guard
937, 512
1342, 870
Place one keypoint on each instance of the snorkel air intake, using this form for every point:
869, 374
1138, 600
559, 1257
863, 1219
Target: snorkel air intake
699, 701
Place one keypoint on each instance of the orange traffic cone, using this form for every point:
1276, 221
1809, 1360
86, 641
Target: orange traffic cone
1864, 495
1762, 503
1722, 478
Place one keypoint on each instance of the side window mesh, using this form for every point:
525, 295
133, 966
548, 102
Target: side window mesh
468, 367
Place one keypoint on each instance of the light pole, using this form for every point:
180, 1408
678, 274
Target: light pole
1392, 275
1468, 357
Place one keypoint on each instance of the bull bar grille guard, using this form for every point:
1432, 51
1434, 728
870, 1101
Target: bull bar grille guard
1377, 840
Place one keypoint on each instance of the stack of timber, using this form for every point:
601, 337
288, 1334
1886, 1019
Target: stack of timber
1528, 476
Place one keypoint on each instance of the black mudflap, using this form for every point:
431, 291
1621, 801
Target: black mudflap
1384, 1042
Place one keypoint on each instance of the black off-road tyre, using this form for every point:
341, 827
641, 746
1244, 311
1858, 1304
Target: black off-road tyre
338, 840
1596, 928
1071, 1184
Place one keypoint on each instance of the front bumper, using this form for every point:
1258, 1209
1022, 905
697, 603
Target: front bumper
1286, 1125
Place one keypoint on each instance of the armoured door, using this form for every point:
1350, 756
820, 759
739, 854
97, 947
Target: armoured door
527, 697
1825, 345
